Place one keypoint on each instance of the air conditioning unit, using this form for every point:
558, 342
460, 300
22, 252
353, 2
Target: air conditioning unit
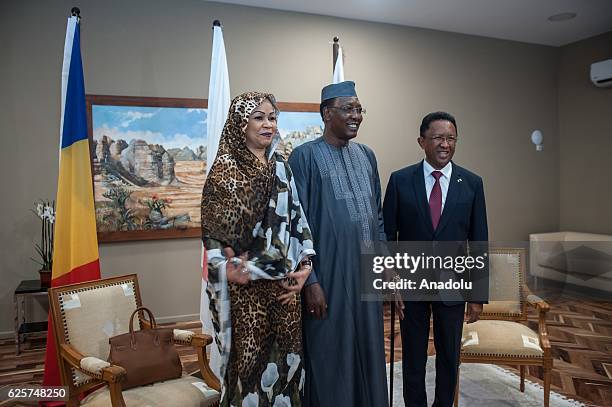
601, 73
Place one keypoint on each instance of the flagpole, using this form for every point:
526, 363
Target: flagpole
392, 356
218, 105
335, 49
76, 257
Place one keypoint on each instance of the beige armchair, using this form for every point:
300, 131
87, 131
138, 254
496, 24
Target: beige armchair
501, 335
85, 316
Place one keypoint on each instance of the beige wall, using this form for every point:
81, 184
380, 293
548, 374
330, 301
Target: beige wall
499, 90
585, 131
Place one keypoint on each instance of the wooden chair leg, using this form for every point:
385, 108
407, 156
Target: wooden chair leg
547, 371
522, 370
116, 395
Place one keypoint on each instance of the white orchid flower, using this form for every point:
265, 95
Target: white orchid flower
251, 400
51, 219
47, 212
302, 380
269, 379
39, 210
282, 401
293, 361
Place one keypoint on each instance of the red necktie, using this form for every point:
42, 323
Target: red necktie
435, 200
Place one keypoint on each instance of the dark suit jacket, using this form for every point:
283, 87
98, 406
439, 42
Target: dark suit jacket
406, 208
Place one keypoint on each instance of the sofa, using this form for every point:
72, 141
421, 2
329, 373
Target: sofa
573, 260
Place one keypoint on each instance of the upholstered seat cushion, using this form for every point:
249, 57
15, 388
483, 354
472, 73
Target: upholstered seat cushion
500, 338
186, 391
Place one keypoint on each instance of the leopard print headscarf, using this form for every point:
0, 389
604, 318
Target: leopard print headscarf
238, 187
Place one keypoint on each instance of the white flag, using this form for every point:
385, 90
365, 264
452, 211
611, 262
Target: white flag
218, 96
339, 68
218, 105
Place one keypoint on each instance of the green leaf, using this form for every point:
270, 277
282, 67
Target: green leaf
36, 261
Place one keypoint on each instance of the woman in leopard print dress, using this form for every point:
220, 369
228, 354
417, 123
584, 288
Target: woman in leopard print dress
258, 243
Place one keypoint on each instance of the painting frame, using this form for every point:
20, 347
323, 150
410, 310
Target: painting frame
92, 100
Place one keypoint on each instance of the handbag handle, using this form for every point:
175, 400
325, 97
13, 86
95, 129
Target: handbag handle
151, 318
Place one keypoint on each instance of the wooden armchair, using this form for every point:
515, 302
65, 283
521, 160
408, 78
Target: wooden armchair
84, 317
501, 336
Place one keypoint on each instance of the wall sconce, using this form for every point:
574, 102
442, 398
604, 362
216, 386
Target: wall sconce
537, 138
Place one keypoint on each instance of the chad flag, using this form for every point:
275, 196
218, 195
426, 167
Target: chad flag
75, 255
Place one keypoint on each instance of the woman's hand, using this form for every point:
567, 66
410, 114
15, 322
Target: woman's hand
295, 282
236, 273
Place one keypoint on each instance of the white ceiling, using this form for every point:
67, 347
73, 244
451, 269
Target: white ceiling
517, 20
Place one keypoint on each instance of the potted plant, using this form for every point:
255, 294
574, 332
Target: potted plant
45, 211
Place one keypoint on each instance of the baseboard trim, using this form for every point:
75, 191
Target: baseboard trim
11, 334
187, 321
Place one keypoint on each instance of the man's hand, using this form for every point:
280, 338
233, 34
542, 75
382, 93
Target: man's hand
473, 312
314, 298
391, 275
236, 273
399, 305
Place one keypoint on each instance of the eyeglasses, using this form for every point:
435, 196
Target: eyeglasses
348, 110
440, 139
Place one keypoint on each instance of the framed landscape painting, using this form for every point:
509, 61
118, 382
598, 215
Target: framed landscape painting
149, 162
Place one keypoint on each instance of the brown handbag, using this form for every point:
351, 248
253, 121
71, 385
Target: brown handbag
147, 355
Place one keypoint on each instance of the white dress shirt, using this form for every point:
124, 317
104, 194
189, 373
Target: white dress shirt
444, 180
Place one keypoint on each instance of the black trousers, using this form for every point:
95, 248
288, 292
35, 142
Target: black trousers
447, 325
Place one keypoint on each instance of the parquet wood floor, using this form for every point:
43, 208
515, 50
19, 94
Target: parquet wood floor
580, 332
581, 339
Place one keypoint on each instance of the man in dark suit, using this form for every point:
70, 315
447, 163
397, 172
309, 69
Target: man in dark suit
434, 200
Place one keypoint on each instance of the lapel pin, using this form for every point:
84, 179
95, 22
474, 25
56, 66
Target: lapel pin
459, 180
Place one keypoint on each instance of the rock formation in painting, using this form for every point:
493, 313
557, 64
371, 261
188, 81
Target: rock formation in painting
182, 154
201, 153
107, 150
150, 162
296, 138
